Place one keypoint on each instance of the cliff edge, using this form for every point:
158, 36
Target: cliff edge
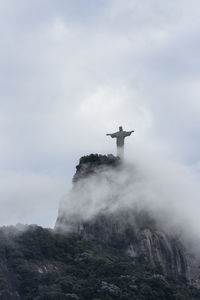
138, 231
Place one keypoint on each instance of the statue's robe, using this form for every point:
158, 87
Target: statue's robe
120, 136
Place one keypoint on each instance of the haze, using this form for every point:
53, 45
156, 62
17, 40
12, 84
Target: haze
71, 72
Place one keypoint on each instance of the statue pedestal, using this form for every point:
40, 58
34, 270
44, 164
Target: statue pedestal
120, 152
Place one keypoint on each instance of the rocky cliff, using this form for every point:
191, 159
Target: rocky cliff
138, 230
40, 264
112, 254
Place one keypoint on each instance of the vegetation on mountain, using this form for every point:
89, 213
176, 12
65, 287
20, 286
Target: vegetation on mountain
40, 264
120, 256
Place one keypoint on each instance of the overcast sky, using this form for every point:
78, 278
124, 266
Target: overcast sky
71, 71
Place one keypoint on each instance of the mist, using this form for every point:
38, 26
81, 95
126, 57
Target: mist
167, 189
72, 72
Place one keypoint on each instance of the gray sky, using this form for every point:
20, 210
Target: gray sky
71, 71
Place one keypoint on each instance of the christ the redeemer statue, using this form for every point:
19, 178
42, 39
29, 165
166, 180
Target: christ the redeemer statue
120, 136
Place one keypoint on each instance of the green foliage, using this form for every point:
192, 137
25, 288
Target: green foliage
41, 264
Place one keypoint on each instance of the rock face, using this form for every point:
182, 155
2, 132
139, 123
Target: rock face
115, 255
88, 167
92, 163
137, 230
156, 247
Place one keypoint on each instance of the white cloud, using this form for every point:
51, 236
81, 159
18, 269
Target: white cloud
165, 188
69, 75
30, 197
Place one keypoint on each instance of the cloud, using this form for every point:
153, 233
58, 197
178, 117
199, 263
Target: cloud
72, 72
166, 189
29, 198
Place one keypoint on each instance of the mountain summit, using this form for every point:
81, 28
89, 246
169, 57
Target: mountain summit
102, 247
136, 231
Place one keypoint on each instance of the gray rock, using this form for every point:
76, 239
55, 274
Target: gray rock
110, 288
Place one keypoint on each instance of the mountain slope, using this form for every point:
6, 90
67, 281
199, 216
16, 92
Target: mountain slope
41, 264
119, 254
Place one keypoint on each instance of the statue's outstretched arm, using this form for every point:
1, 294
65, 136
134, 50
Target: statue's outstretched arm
111, 134
128, 132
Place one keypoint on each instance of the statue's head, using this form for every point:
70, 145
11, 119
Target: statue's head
120, 128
